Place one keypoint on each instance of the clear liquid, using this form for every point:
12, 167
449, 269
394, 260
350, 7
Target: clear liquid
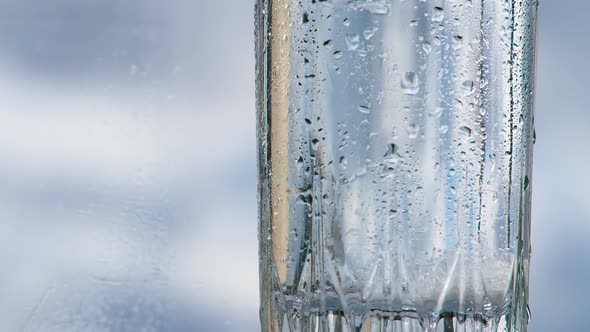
395, 148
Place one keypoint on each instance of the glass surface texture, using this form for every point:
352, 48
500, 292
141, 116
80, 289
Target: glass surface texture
395, 148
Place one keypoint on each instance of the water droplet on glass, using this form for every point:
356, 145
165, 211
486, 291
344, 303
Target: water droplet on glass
457, 42
391, 150
437, 112
427, 47
364, 109
353, 41
468, 87
409, 83
305, 18
346, 21
343, 162
315, 143
438, 14
369, 33
413, 130
337, 55
526, 182
465, 132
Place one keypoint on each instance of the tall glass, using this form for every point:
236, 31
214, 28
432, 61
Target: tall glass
395, 146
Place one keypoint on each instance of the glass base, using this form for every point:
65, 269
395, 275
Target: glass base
391, 322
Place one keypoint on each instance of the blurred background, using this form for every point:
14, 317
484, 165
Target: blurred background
128, 170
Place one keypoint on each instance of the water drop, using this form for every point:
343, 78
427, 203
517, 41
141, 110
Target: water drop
305, 18
315, 144
457, 42
427, 47
346, 21
437, 112
391, 150
364, 109
409, 83
526, 182
337, 55
438, 15
465, 132
343, 162
468, 87
353, 41
413, 130
369, 33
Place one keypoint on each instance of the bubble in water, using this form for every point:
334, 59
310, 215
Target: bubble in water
409, 83
353, 41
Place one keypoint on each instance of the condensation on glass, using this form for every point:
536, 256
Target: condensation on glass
395, 145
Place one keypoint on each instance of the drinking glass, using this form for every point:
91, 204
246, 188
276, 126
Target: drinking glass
394, 156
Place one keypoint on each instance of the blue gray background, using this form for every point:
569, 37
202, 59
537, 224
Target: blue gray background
128, 172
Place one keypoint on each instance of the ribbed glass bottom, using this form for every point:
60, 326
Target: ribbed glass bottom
391, 322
